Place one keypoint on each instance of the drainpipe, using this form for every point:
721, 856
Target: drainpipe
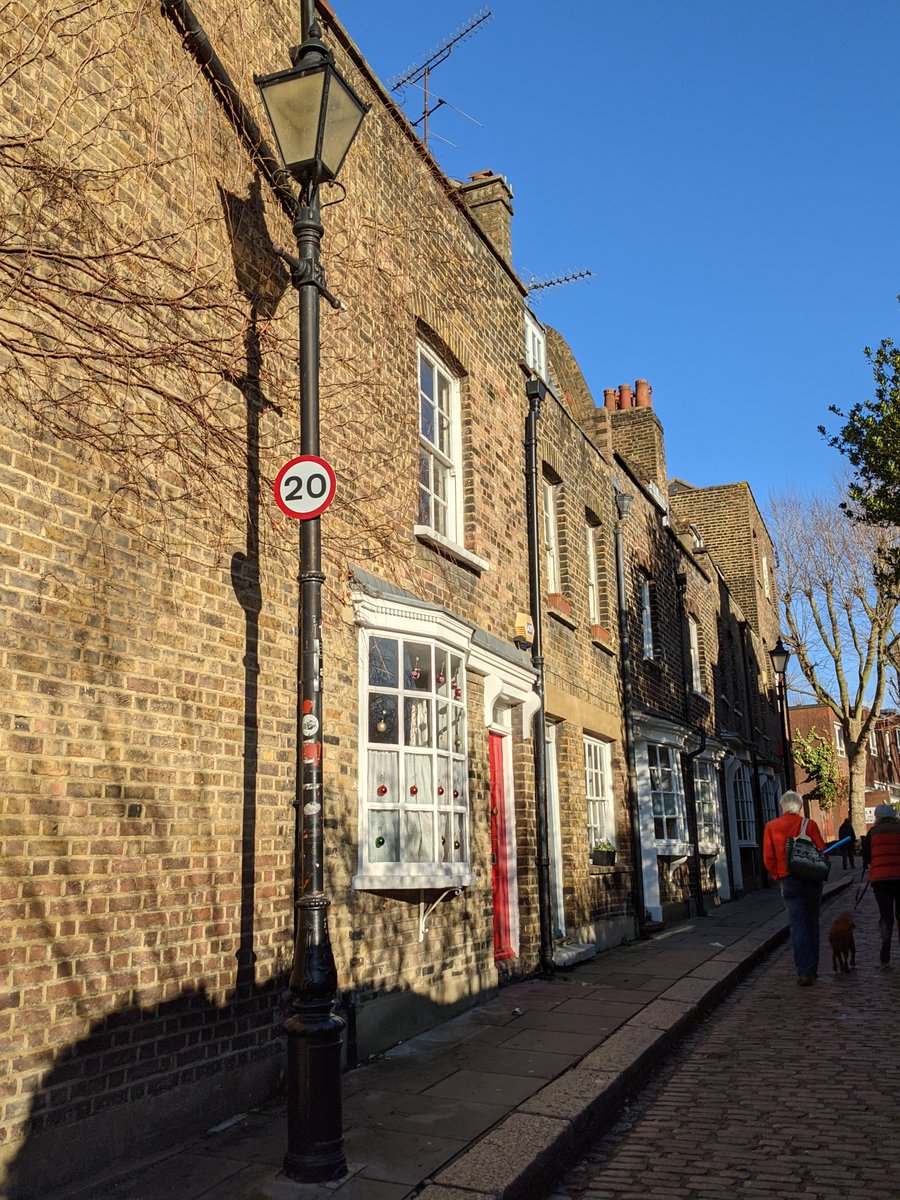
688, 756
623, 505
196, 42
761, 874
536, 391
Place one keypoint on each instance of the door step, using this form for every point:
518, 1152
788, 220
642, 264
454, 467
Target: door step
570, 953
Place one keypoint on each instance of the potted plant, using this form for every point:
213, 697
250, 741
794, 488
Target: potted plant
603, 854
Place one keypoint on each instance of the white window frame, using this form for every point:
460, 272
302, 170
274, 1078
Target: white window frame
897, 736
535, 346
694, 643
550, 494
598, 790
668, 816
439, 457
593, 596
706, 797
873, 743
765, 574
744, 813
647, 616
840, 744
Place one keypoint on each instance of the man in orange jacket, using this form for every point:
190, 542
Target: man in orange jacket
802, 897
881, 854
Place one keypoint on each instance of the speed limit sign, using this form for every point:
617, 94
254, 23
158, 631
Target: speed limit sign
304, 487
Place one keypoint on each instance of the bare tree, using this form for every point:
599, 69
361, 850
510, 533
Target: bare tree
840, 616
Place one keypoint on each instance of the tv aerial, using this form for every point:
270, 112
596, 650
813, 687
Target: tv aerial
418, 75
535, 283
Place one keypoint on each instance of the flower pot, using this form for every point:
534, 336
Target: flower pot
603, 858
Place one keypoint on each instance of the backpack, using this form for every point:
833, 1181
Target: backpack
804, 859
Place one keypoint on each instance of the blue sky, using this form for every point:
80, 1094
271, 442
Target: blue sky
728, 172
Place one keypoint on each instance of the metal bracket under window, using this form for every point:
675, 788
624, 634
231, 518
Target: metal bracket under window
425, 913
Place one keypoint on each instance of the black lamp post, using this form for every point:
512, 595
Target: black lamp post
315, 116
780, 656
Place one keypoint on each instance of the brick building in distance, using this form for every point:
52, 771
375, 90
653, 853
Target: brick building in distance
150, 612
882, 763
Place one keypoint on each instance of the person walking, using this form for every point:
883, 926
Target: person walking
802, 897
881, 854
848, 852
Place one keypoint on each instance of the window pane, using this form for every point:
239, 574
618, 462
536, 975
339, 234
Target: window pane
382, 718
443, 727
418, 836
382, 662
416, 667
384, 777
384, 843
426, 377
419, 779
426, 419
417, 722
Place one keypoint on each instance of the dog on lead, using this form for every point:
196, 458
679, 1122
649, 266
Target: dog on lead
843, 945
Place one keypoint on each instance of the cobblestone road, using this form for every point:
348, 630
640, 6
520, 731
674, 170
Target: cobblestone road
782, 1092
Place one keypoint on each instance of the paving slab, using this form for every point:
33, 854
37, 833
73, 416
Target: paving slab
488, 1105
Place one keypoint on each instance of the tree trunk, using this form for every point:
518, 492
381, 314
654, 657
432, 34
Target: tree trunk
857, 764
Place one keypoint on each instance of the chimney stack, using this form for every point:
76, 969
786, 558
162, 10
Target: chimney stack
489, 198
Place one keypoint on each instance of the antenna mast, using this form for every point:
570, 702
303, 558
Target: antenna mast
419, 73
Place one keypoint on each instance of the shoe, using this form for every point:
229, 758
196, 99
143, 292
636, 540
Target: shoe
805, 980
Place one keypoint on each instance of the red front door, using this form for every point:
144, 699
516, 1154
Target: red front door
499, 852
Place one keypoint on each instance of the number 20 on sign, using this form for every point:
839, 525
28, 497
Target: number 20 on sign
304, 487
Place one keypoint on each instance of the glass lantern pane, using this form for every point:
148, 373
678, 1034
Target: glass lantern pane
342, 120
293, 106
384, 842
383, 713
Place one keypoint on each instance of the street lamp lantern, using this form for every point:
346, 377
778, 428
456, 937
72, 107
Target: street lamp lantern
315, 116
779, 655
314, 113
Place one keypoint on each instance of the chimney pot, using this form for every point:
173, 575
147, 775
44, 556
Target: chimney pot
609, 397
624, 396
643, 392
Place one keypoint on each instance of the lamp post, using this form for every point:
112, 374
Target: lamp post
780, 656
315, 116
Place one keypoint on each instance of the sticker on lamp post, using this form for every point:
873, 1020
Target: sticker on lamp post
304, 487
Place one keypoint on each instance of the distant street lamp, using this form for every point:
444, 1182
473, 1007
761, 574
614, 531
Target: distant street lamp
780, 656
315, 115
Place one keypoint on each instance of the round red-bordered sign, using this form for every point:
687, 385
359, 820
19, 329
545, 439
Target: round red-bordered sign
304, 487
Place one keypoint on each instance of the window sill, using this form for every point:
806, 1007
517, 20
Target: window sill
674, 849
453, 550
558, 606
602, 639
432, 879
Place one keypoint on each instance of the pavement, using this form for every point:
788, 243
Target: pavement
497, 1103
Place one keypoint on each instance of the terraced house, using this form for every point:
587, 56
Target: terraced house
150, 727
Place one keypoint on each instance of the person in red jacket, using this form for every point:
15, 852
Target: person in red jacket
881, 854
802, 897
